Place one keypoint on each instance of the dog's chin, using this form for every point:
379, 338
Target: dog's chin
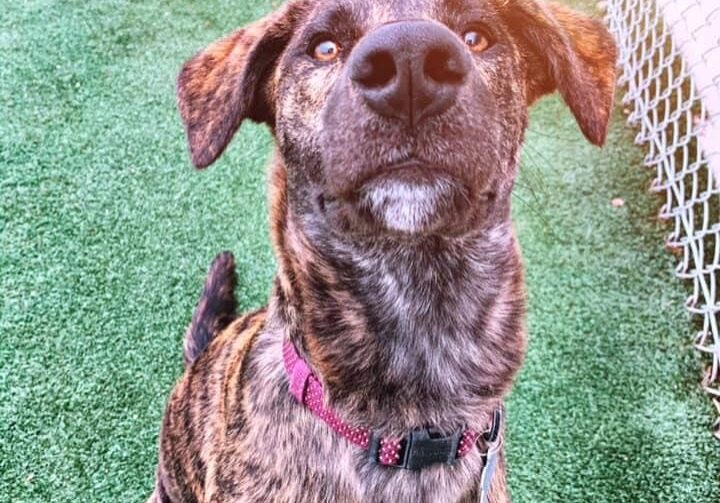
409, 207
407, 202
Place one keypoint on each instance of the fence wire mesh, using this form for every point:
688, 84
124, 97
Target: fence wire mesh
670, 66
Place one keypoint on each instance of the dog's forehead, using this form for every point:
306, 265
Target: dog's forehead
373, 12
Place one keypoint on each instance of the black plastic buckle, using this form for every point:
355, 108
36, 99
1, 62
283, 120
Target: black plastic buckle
421, 448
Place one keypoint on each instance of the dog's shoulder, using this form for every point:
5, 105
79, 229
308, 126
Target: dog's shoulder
205, 403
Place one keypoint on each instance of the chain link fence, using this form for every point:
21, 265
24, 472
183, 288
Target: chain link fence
670, 66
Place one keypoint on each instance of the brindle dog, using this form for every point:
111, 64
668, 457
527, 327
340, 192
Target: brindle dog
398, 126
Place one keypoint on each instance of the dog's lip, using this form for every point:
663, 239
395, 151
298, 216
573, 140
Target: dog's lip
411, 171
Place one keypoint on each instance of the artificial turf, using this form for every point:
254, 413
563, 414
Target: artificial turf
106, 233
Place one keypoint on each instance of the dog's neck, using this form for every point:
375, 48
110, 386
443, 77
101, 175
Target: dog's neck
403, 334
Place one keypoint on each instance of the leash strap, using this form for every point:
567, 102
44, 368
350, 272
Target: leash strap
415, 451
494, 441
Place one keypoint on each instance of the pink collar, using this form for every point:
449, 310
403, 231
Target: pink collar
416, 450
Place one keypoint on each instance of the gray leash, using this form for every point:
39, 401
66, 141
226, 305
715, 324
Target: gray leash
491, 458
488, 472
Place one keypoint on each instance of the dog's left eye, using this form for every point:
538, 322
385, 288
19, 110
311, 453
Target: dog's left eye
476, 40
325, 50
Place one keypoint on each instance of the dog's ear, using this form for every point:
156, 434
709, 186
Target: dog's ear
231, 81
569, 52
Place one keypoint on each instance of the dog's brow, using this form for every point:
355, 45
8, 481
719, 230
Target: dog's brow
457, 5
336, 18
463, 10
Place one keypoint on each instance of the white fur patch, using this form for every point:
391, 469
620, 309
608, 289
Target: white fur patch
404, 206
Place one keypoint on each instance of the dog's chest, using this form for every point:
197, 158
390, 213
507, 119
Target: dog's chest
283, 453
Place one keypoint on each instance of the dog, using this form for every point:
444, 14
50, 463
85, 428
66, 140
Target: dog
395, 326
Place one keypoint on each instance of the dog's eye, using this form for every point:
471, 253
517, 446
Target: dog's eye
476, 40
325, 50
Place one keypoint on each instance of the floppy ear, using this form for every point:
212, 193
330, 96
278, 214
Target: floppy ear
572, 53
229, 82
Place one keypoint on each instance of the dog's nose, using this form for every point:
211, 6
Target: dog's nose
410, 70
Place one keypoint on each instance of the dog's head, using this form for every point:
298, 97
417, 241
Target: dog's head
399, 116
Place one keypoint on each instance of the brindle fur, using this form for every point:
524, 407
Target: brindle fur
408, 323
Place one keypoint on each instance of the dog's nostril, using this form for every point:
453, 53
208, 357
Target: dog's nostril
376, 70
444, 67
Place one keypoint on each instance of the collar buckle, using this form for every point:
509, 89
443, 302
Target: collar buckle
421, 448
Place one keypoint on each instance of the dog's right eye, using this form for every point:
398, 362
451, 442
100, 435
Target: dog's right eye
325, 50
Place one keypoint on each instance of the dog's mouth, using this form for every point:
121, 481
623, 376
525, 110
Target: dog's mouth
408, 198
410, 172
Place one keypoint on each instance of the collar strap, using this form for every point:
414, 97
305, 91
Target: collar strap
418, 449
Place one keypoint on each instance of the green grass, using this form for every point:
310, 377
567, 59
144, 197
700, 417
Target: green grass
106, 233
